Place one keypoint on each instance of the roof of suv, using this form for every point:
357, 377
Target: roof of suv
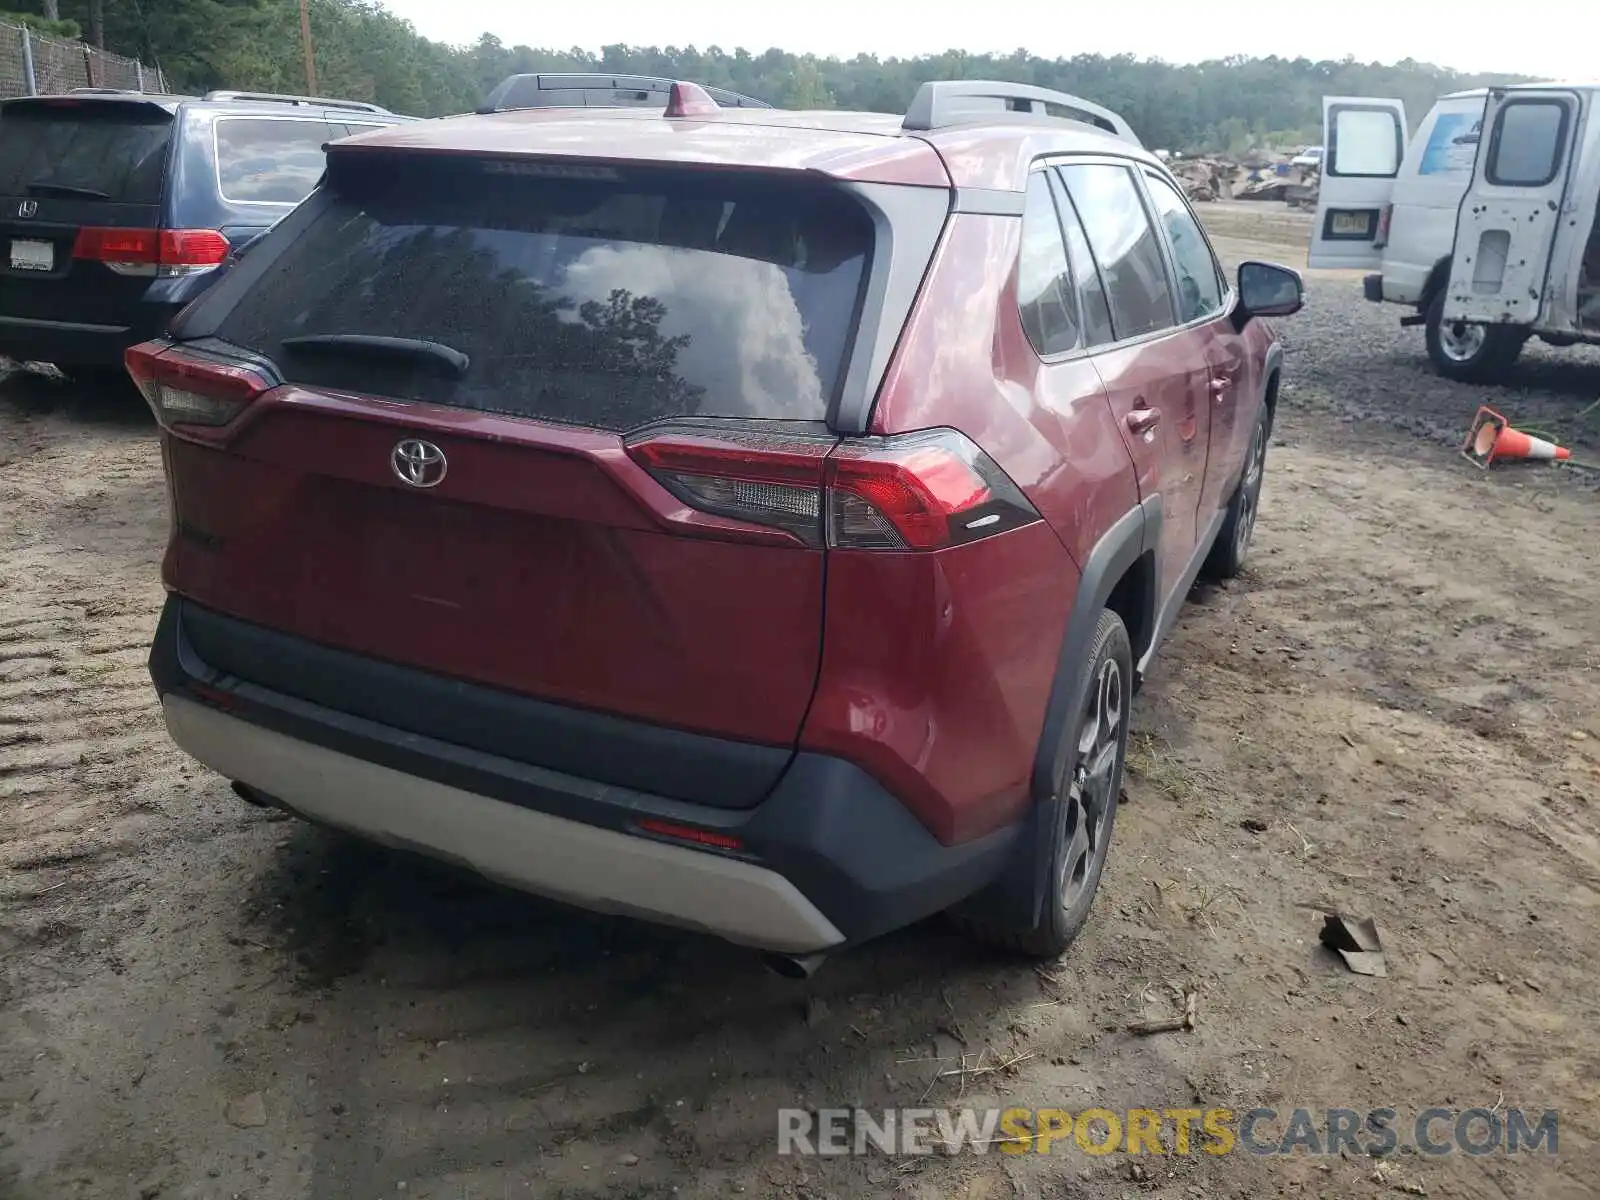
222, 100
975, 150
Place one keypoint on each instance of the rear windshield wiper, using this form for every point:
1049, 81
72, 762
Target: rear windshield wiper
45, 187
390, 347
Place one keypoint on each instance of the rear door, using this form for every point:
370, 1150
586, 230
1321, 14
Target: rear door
1509, 216
68, 164
1365, 143
564, 313
1224, 381
1152, 371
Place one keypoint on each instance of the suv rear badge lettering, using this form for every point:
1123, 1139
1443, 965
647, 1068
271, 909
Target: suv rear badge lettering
418, 463
27, 208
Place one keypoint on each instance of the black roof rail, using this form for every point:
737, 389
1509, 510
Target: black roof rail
595, 90
317, 101
103, 91
941, 103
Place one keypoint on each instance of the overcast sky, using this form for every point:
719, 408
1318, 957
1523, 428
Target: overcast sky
1536, 37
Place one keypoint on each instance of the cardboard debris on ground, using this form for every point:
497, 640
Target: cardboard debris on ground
1355, 939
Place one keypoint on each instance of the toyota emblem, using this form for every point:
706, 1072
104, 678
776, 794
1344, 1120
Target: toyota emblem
418, 463
27, 208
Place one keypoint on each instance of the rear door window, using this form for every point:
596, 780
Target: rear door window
1525, 150
1125, 245
93, 151
609, 299
267, 160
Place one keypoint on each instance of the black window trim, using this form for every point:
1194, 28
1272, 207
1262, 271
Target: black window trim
1560, 100
1055, 161
1330, 156
1225, 300
216, 149
1052, 187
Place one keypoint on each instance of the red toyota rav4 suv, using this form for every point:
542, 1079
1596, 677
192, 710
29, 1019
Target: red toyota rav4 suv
750, 520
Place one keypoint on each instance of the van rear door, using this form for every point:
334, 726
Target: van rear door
1365, 142
1509, 216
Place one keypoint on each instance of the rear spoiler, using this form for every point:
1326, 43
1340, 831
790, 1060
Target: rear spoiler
92, 101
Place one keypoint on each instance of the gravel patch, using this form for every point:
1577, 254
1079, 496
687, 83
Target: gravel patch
1351, 357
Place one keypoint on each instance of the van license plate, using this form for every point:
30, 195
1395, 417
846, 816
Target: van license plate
1356, 223
33, 256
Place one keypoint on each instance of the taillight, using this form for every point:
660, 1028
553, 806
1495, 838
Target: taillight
915, 491
186, 388
153, 252
1381, 238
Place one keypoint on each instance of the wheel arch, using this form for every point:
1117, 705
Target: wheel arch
1120, 574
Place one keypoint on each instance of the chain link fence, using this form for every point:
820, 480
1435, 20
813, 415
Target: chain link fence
32, 64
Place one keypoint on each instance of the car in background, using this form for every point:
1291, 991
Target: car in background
118, 208
1310, 156
569, 89
752, 520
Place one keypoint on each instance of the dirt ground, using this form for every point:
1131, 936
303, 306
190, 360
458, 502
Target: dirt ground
1395, 712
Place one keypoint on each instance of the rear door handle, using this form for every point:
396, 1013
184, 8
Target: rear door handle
1219, 387
1143, 420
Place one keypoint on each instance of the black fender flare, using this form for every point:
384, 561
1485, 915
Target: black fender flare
1132, 543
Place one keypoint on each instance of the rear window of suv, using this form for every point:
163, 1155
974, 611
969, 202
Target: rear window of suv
603, 299
94, 150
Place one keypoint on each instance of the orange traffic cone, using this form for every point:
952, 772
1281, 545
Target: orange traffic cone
1491, 438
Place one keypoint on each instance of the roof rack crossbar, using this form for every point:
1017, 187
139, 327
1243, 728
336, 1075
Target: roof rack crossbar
941, 103
319, 101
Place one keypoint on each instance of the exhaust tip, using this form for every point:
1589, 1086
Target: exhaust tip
794, 966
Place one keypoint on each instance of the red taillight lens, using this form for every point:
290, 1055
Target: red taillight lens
186, 388
152, 251
690, 833
918, 491
1385, 215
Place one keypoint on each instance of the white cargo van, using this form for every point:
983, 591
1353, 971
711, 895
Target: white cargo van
1484, 223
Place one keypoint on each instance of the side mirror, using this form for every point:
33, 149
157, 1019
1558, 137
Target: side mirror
1268, 290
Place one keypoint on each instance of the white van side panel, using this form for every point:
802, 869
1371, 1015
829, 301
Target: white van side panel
1427, 195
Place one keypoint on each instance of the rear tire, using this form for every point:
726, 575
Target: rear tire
1232, 547
1081, 814
1470, 353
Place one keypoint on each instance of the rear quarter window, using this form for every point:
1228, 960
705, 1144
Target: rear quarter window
270, 160
103, 151
608, 302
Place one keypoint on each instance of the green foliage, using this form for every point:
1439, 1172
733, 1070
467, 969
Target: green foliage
365, 52
68, 30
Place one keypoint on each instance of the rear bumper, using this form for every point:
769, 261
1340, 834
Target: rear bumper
79, 344
1372, 288
828, 857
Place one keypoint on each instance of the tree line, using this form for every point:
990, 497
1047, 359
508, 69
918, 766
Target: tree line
365, 52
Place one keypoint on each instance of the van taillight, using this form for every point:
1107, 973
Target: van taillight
915, 491
187, 389
1381, 238
153, 252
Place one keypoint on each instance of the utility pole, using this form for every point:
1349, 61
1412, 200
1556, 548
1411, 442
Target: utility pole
97, 23
305, 40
